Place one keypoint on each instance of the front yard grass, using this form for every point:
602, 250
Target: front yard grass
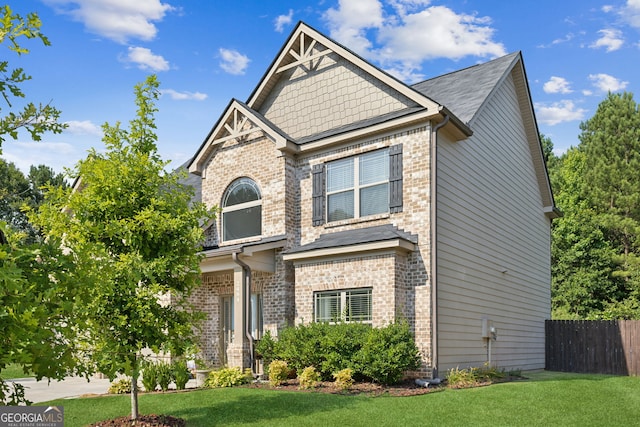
545, 399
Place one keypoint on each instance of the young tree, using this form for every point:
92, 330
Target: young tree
34, 119
145, 232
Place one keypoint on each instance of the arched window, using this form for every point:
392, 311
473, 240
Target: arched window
241, 210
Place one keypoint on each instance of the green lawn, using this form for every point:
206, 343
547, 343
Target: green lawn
545, 399
13, 371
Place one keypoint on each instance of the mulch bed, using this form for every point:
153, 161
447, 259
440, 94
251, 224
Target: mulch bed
404, 388
143, 421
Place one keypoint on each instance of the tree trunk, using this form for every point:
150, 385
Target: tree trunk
134, 392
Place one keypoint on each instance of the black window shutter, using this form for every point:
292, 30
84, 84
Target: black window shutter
395, 178
318, 176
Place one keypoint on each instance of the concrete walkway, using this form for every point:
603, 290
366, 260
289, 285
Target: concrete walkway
71, 387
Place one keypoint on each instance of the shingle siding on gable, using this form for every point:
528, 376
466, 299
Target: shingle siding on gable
336, 93
493, 245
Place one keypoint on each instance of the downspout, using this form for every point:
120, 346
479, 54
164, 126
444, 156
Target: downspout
434, 244
247, 305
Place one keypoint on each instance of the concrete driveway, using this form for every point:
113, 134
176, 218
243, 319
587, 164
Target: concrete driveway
42, 391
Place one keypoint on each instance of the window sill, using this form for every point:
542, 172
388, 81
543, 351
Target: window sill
357, 220
240, 241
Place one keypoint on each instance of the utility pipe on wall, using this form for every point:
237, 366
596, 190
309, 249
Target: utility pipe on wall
434, 236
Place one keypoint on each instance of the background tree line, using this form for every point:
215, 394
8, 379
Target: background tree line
596, 243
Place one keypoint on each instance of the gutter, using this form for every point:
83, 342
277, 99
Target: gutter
247, 305
434, 245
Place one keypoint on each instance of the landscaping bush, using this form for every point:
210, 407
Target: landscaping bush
165, 375
278, 372
379, 354
309, 378
121, 386
149, 376
388, 353
341, 344
228, 377
181, 374
343, 379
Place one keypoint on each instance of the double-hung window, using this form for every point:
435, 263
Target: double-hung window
358, 186
353, 305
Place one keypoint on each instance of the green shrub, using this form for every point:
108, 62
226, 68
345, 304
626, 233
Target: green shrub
228, 377
388, 353
149, 376
341, 343
121, 386
301, 346
471, 377
380, 354
181, 374
343, 379
165, 375
462, 378
309, 378
267, 348
278, 372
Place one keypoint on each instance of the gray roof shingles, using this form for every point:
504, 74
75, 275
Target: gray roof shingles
463, 92
358, 236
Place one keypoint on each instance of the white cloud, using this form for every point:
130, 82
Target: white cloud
607, 83
557, 85
611, 40
182, 96
607, 8
233, 62
558, 112
147, 60
631, 13
56, 155
410, 33
283, 20
349, 22
118, 20
84, 127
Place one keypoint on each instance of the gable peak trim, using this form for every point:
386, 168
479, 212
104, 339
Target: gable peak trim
304, 54
237, 122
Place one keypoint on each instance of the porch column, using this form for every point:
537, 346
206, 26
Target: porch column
238, 351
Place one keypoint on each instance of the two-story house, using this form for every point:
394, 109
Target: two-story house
345, 193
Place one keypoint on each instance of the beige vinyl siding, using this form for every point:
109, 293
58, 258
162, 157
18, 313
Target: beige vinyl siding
493, 243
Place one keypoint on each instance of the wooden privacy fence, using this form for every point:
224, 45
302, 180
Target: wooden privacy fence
593, 346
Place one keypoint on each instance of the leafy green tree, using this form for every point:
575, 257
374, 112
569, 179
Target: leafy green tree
582, 258
145, 231
40, 293
611, 143
35, 119
18, 193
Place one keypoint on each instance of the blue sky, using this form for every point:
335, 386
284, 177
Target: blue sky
207, 52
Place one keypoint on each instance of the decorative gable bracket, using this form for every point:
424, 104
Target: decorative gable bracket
237, 123
304, 55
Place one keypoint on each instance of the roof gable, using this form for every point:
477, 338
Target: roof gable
299, 51
237, 122
466, 92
